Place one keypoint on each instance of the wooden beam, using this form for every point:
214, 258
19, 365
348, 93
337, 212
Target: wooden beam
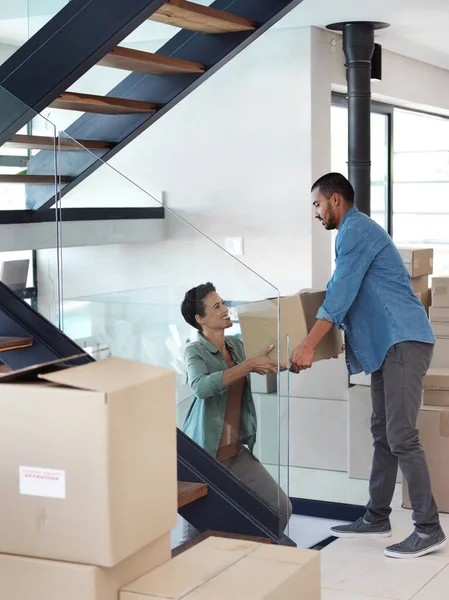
189, 492
14, 343
40, 142
151, 64
33, 179
104, 105
201, 19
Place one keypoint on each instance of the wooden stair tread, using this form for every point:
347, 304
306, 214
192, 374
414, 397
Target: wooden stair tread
104, 105
33, 179
41, 142
189, 492
14, 343
146, 62
201, 19
203, 536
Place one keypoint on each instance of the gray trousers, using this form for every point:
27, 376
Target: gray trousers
254, 475
396, 390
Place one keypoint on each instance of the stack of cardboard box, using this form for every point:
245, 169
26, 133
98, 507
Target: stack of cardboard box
439, 317
89, 487
433, 425
89, 496
419, 264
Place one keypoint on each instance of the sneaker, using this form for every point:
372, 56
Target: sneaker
362, 527
415, 546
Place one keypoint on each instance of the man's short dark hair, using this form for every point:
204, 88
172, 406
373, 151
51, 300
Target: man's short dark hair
193, 303
335, 183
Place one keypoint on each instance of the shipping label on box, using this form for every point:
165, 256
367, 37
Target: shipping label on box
259, 326
440, 292
418, 261
91, 459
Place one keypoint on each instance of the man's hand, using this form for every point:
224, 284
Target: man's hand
302, 356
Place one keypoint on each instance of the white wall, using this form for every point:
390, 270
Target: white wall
235, 159
405, 82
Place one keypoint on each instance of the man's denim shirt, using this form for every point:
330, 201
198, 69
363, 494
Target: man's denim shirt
370, 296
204, 421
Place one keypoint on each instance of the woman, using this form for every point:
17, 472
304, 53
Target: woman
222, 418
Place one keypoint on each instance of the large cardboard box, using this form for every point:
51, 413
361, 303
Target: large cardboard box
89, 475
259, 325
420, 286
23, 578
440, 292
418, 261
439, 314
433, 425
436, 387
440, 359
226, 569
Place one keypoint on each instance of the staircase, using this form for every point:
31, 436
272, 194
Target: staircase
209, 37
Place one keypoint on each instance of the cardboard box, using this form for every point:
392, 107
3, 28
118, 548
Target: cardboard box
259, 325
439, 314
418, 261
264, 384
420, 286
440, 329
90, 473
433, 425
440, 292
440, 359
24, 578
436, 387
226, 569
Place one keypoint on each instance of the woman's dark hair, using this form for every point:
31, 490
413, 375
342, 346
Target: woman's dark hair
332, 183
193, 303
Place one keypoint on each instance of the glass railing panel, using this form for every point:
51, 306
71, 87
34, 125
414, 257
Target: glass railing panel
21, 19
123, 298
25, 240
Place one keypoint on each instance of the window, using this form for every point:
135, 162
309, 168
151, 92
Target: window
421, 183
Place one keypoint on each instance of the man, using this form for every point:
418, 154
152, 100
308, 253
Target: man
387, 334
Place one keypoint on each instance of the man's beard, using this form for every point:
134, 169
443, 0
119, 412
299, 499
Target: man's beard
329, 220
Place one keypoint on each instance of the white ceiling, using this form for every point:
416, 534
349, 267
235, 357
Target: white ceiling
418, 29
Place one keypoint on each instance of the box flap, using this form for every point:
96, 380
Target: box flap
109, 375
34, 371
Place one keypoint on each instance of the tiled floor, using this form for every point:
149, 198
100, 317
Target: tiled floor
356, 569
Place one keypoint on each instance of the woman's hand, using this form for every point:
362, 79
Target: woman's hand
262, 364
